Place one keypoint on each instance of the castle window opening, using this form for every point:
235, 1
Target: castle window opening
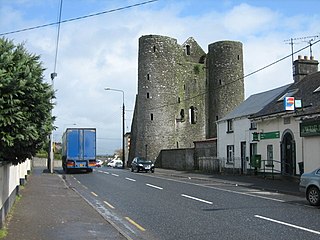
182, 114
217, 118
178, 99
177, 144
238, 57
193, 115
188, 49
154, 48
148, 95
148, 76
220, 82
151, 116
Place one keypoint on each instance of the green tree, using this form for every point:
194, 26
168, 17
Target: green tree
25, 103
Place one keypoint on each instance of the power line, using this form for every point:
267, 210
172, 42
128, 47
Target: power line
58, 36
79, 18
245, 76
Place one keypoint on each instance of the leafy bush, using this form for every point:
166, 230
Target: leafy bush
25, 103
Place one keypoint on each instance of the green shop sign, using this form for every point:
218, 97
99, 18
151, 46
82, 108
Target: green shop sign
310, 128
266, 135
269, 135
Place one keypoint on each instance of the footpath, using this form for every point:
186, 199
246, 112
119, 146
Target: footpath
50, 210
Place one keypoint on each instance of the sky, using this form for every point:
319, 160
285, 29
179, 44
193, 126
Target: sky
101, 51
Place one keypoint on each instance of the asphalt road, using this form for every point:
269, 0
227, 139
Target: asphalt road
147, 206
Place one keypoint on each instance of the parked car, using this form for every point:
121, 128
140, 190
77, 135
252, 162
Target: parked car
310, 185
115, 163
141, 164
99, 163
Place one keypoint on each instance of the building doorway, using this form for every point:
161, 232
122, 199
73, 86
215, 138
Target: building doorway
243, 158
288, 154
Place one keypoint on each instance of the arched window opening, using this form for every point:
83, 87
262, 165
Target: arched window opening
188, 50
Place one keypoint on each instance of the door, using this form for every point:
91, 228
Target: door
243, 158
288, 154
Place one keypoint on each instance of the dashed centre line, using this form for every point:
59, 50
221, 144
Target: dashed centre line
130, 179
197, 199
153, 186
116, 175
288, 224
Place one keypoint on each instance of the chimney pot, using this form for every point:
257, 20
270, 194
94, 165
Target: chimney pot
299, 57
305, 57
312, 58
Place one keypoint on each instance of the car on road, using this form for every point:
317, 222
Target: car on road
116, 163
310, 185
141, 164
99, 163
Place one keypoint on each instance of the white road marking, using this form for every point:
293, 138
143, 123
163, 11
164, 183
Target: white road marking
94, 194
116, 175
153, 186
288, 224
108, 204
220, 189
100, 171
106, 173
197, 199
130, 179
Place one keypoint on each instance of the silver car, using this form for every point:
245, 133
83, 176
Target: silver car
310, 185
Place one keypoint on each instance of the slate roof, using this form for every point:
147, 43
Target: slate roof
304, 90
255, 103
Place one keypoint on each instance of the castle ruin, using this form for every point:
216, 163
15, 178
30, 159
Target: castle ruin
182, 92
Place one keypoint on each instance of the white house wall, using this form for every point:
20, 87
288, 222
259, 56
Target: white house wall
311, 153
241, 133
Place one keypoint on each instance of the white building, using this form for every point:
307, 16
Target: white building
292, 137
234, 132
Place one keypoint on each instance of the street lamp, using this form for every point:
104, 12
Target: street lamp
123, 122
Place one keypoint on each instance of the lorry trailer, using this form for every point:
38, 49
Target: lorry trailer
79, 149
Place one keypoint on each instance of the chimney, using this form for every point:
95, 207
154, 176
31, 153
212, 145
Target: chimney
303, 67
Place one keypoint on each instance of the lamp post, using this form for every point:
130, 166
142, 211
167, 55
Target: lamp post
123, 122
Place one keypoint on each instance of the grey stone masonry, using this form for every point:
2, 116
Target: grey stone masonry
182, 91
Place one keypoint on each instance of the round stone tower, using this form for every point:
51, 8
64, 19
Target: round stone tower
225, 81
154, 115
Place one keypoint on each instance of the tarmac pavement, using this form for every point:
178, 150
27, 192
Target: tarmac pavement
49, 209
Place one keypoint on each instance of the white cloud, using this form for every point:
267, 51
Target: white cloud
102, 51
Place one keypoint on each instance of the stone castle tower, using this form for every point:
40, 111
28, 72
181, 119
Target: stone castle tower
182, 91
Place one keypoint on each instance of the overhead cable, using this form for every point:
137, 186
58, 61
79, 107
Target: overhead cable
79, 18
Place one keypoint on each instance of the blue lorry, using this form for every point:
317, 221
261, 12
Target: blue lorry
79, 149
